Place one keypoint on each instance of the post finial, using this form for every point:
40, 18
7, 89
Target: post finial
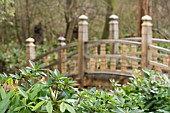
30, 40
113, 17
146, 18
83, 17
62, 41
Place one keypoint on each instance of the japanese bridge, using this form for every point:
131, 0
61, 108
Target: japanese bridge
94, 62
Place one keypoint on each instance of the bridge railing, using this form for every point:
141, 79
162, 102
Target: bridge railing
111, 56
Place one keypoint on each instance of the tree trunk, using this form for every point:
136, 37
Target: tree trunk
109, 11
70, 17
27, 18
145, 8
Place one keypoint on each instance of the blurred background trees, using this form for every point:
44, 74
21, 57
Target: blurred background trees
46, 20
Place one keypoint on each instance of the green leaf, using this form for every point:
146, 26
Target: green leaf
10, 81
56, 72
146, 73
49, 107
38, 105
4, 105
23, 93
62, 107
96, 103
70, 108
32, 64
5, 102
18, 108
2, 92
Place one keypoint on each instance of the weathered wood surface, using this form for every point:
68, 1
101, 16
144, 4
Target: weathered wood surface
160, 48
160, 65
123, 58
112, 42
55, 50
112, 56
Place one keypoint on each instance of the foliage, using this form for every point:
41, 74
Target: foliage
7, 9
43, 90
13, 57
31, 93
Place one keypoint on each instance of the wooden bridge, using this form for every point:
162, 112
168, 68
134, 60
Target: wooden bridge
94, 62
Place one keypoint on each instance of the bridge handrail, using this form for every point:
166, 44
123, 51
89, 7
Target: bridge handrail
160, 40
112, 56
132, 38
112, 41
57, 62
55, 50
153, 39
160, 48
163, 66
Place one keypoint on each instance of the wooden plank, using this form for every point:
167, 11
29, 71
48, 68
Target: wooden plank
107, 73
55, 50
112, 42
134, 63
155, 57
103, 63
123, 58
161, 40
162, 66
132, 38
153, 39
112, 56
93, 61
160, 48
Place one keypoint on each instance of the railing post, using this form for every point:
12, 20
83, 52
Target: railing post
61, 55
82, 37
30, 50
146, 41
113, 34
169, 65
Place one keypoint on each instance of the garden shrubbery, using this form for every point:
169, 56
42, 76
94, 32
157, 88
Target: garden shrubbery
36, 90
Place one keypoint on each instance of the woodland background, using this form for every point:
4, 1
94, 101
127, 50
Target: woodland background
46, 20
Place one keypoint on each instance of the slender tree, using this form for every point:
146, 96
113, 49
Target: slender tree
145, 8
109, 11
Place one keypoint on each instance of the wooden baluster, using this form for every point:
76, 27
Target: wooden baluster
30, 50
112, 64
134, 63
165, 60
103, 63
73, 67
124, 62
96, 60
93, 65
46, 60
155, 57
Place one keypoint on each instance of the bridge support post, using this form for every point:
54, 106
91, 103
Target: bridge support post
30, 50
146, 41
62, 55
113, 34
169, 65
82, 37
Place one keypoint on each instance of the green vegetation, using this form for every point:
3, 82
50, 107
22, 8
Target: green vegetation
41, 90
